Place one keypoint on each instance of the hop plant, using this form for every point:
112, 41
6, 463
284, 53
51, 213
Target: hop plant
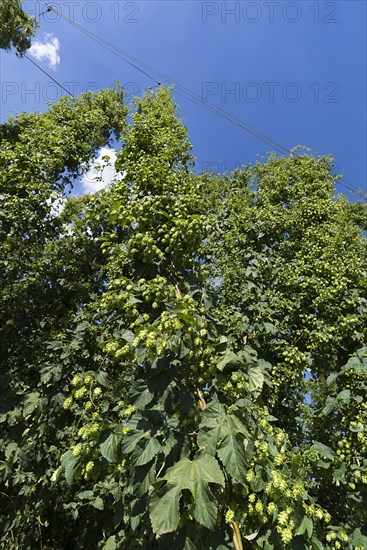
112, 347
283, 518
250, 476
89, 468
77, 449
76, 380
298, 491
343, 535
229, 516
259, 507
88, 380
278, 460
152, 215
286, 535
80, 393
68, 403
278, 482
129, 411
122, 352
279, 438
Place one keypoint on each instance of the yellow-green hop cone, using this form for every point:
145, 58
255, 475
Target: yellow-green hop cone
229, 516
286, 535
76, 380
77, 449
97, 392
80, 393
89, 467
68, 403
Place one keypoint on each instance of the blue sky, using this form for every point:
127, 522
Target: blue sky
296, 70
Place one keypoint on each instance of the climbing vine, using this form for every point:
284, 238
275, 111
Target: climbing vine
183, 355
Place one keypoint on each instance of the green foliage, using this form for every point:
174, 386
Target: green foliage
16, 27
195, 476
183, 356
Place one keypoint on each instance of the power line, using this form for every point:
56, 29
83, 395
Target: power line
184, 91
352, 186
46, 73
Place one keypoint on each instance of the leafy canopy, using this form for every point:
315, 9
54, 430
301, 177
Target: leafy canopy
183, 356
16, 27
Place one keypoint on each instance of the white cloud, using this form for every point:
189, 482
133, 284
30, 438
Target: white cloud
104, 176
47, 50
56, 204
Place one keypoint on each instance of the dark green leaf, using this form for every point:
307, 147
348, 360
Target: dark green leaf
109, 447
